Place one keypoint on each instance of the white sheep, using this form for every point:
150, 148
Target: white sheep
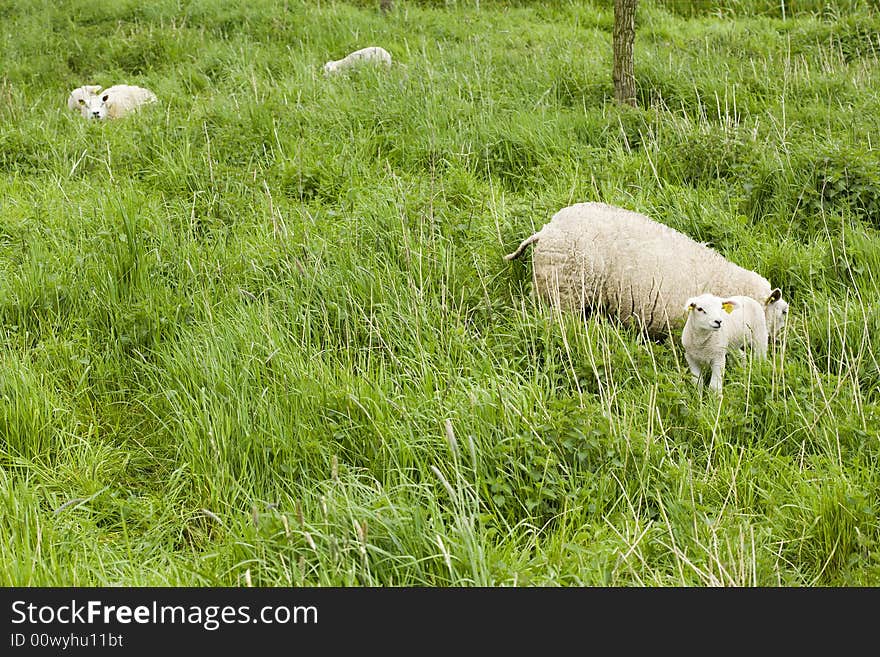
775, 312
369, 55
598, 256
718, 325
112, 103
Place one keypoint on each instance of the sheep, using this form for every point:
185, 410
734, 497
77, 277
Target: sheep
718, 325
371, 54
776, 313
112, 103
598, 256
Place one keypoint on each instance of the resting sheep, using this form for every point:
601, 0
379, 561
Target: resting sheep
597, 256
112, 103
717, 325
371, 54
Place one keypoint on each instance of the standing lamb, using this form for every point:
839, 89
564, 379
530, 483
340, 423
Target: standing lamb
593, 255
112, 103
716, 326
369, 55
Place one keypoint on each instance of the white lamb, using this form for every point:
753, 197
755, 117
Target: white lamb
369, 55
598, 256
718, 325
112, 103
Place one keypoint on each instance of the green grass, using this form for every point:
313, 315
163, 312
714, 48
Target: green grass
263, 331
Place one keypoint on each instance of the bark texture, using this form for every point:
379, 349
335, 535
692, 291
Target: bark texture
624, 39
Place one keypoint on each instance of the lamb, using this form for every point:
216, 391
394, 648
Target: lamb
716, 326
602, 257
112, 103
371, 54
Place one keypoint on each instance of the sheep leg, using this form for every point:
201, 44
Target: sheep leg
696, 371
717, 374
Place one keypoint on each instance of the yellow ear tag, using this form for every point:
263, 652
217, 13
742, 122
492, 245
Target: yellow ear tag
728, 307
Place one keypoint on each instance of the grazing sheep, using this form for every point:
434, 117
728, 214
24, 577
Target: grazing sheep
597, 256
112, 103
775, 312
716, 325
371, 54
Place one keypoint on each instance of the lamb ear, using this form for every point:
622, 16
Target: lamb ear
728, 305
775, 295
93, 88
690, 305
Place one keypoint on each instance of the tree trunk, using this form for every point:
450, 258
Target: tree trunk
624, 38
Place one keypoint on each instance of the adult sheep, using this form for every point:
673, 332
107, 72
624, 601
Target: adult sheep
620, 262
112, 103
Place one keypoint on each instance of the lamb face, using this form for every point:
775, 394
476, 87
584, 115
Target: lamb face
707, 313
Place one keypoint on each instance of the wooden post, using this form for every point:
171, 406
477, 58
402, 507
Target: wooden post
624, 38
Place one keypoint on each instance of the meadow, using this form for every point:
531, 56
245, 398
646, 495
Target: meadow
262, 332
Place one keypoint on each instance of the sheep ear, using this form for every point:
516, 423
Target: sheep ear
728, 306
775, 295
691, 304
93, 88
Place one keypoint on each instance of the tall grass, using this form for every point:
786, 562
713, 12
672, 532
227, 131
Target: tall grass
262, 332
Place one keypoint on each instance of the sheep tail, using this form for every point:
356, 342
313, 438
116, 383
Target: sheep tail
522, 247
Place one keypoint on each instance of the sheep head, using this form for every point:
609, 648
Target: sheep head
78, 100
89, 101
775, 312
707, 312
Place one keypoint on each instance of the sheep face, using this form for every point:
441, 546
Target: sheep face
707, 313
776, 312
96, 108
81, 98
89, 101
